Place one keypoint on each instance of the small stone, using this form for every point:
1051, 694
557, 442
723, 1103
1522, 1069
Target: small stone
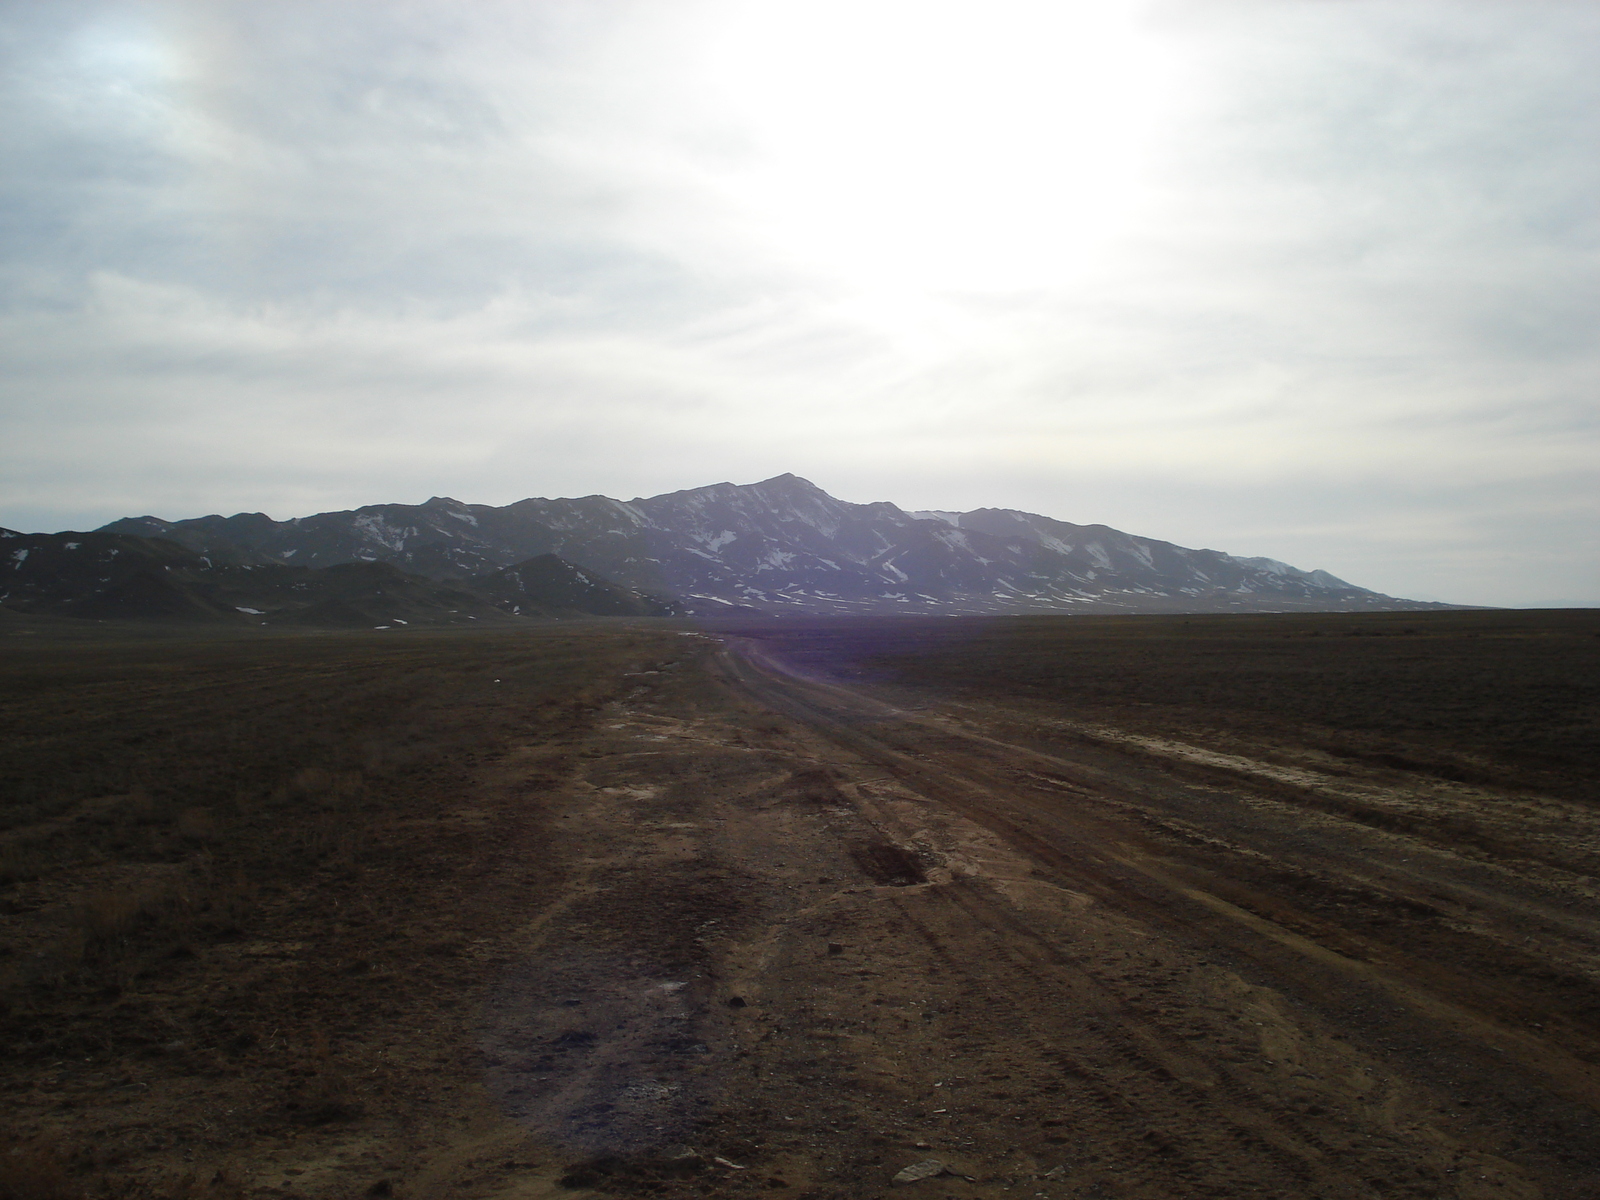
928, 1168
736, 1002
835, 948
1055, 1173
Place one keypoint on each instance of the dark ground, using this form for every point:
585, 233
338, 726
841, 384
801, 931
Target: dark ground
1078, 907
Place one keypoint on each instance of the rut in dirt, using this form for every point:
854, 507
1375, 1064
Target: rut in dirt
1366, 967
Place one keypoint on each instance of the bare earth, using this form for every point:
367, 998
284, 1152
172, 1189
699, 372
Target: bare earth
740, 921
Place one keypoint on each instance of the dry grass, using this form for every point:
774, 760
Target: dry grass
229, 860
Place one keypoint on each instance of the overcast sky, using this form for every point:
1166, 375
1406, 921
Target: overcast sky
1313, 279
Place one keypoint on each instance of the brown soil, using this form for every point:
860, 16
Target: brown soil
782, 911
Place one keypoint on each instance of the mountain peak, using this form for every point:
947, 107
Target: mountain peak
784, 544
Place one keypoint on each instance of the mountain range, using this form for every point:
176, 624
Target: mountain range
779, 546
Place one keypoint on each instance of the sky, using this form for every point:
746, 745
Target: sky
1309, 279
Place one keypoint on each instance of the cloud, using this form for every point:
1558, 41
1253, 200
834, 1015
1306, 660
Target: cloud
1307, 280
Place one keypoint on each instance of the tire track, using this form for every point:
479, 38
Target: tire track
1079, 842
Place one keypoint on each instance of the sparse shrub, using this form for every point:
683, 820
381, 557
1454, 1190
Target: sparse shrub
20, 862
220, 1184
227, 905
34, 1171
311, 781
327, 789
117, 934
111, 928
331, 838
105, 921
325, 1098
140, 807
349, 786
199, 825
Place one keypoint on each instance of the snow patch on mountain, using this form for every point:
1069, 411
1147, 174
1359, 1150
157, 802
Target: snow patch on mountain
784, 544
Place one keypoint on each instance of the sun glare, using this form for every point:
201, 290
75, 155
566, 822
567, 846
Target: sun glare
936, 146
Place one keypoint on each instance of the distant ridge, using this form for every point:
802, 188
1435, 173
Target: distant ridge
784, 545
120, 576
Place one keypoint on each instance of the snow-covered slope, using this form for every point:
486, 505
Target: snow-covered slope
785, 545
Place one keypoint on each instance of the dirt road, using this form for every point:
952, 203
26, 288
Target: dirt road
829, 937
673, 913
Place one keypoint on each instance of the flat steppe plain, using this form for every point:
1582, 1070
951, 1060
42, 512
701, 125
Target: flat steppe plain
1278, 905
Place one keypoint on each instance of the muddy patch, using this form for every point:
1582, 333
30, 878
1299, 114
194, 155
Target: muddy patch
888, 864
